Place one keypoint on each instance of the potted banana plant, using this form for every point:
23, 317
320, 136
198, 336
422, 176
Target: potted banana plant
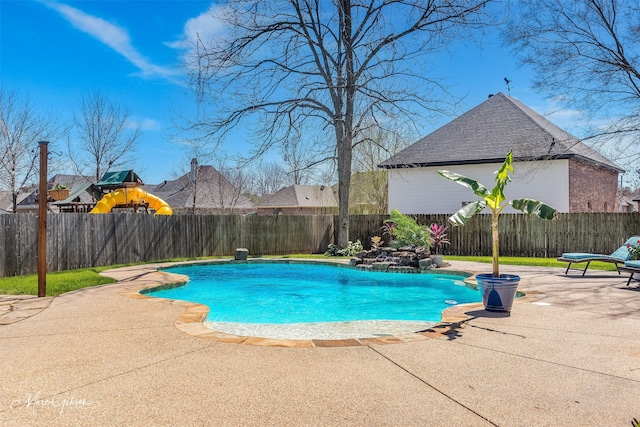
498, 290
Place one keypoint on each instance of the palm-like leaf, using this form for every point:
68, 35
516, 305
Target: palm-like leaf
502, 174
475, 186
534, 207
462, 216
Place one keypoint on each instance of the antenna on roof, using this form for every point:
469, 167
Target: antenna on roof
507, 81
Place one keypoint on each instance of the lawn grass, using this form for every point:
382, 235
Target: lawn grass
66, 281
538, 262
57, 283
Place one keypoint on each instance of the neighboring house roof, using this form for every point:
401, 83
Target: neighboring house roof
214, 191
6, 203
71, 181
486, 133
301, 196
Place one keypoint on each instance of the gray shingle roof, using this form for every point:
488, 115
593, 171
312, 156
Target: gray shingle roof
306, 196
486, 133
71, 181
214, 191
6, 200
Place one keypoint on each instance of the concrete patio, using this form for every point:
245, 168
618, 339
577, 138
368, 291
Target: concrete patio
95, 357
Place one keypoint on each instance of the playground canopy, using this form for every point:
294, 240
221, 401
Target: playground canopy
119, 179
74, 202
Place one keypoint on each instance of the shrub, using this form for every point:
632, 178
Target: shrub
351, 249
438, 236
408, 232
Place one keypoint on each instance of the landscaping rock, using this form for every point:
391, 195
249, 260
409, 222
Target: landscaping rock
425, 264
380, 259
374, 252
355, 261
403, 269
407, 259
366, 267
381, 266
422, 253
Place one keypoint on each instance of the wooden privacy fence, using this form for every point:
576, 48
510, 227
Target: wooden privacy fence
84, 240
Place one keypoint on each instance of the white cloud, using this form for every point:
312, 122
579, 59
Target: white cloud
111, 35
144, 123
204, 27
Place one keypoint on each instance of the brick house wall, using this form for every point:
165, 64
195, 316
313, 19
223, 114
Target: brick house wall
592, 188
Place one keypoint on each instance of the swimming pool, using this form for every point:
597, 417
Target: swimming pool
303, 293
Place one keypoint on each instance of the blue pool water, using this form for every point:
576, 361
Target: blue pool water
282, 293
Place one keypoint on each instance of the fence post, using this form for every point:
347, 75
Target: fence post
42, 221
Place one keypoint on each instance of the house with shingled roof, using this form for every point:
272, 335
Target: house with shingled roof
550, 164
27, 200
203, 190
299, 200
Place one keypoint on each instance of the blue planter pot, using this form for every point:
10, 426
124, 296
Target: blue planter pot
498, 293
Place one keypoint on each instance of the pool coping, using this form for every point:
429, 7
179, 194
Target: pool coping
191, 321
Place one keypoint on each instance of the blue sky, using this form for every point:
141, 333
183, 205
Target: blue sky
56, 51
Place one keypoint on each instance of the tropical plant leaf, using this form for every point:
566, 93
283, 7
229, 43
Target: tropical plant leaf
502, 175
534, 207
462, 216
495, 199
475, 186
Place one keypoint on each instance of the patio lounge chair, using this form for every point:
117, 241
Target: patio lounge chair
630, 267
618, 257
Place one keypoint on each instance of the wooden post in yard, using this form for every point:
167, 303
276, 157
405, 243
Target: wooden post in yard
42, 221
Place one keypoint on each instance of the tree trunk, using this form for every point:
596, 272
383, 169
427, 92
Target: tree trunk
344, 183
345, 141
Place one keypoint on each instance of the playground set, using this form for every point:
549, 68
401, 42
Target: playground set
116, 190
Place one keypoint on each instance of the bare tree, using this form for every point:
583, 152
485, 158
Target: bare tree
266, 178
230, 187
195, 153
586, 54
302, 156
376, 144
322, 68
21, 128
107, 137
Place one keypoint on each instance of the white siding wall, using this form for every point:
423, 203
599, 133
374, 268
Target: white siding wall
422, 190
